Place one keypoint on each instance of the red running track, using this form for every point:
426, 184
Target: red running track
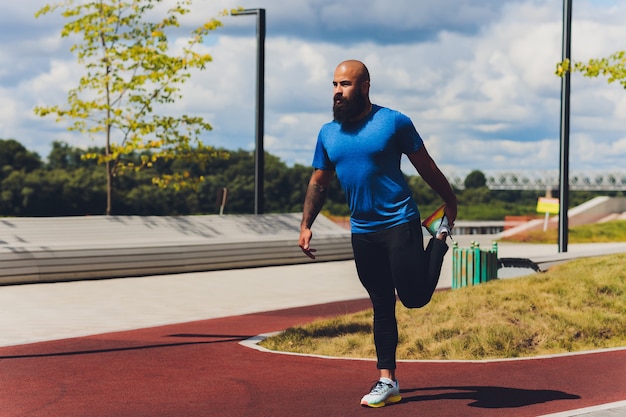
200, 369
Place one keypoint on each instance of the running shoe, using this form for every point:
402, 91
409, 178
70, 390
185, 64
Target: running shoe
437, 223
444, 228
383, 392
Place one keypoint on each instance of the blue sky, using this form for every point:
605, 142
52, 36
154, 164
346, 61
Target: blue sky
477, 78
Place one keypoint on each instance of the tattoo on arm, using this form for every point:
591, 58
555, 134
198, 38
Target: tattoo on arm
313, 202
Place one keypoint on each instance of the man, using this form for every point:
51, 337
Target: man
363, 145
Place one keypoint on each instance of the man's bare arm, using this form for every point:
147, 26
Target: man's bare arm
313, 202
430, 173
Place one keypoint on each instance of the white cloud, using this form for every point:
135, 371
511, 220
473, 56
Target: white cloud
9, 110
477, 78
619, 148
51, 87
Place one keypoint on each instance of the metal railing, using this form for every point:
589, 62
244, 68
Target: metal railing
547, 180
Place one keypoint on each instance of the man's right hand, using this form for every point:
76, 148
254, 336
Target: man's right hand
304, 242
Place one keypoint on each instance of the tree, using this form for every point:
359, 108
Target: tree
15, 157
613, 67
63, 156
475, 179
131, 73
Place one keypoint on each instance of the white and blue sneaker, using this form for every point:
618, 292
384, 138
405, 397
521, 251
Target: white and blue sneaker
443, 230
383, 392
438, 225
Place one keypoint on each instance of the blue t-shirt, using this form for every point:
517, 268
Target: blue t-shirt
366, 158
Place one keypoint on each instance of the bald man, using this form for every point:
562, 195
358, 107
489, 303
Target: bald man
363, 145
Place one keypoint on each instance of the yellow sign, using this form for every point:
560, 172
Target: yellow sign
548, 205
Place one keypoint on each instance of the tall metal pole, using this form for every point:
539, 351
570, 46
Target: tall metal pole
259, 153
565, 113
259, 162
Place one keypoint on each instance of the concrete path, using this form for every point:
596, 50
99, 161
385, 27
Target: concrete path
46, 311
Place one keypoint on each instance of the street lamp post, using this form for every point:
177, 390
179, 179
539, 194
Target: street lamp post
565, 113
259, 154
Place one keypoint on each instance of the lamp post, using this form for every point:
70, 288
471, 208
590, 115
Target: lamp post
259, 154
565, 113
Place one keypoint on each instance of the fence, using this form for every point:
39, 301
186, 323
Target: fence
472, 266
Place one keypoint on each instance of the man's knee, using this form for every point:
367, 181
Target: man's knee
416, 300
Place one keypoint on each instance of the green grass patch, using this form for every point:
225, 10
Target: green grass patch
579, 305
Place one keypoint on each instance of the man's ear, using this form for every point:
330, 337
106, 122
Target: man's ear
365, 88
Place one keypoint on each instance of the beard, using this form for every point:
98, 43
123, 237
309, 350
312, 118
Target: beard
348, 109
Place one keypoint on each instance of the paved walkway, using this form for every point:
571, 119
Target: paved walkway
158, 345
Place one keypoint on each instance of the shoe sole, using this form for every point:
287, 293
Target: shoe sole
434, 220
390, 400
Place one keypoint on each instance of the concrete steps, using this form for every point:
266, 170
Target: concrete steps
595, 210
73, 248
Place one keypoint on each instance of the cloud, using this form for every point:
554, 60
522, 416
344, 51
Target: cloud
9, 110
477, 78
351, 22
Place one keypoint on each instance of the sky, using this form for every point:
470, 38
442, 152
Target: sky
476, 77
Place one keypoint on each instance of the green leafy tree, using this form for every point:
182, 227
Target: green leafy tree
14, 156
238, 177
131, 74
299, 176
63, 156
475, 179
11, 193
613, 67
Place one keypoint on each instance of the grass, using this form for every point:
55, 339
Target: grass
614, 231
579, 305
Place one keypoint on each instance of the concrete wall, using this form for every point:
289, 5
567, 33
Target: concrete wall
73, 248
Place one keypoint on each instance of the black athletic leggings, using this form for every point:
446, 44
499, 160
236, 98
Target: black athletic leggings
393, 260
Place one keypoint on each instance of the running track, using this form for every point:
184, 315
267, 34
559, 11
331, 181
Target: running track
200, 369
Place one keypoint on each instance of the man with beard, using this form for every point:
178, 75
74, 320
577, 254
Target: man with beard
363, 145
